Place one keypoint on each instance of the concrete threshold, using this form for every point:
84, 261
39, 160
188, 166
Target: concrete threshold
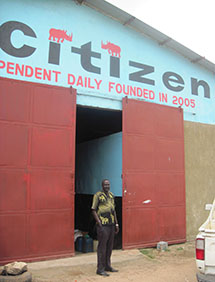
83, 259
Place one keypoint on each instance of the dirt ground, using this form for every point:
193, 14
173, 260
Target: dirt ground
177, 264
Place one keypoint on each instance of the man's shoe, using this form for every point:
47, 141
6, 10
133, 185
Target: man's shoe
111, 269
102, 273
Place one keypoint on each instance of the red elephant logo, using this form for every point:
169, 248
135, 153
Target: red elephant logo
113, 49
59, 35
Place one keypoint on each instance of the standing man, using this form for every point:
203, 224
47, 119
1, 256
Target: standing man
103, 209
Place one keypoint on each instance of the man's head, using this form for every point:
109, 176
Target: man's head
106, 185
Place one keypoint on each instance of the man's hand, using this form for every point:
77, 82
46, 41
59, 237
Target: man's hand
117, 229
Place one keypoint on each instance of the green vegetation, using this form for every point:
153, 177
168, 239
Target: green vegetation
148, 253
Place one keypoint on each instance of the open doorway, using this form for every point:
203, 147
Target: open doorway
98, 156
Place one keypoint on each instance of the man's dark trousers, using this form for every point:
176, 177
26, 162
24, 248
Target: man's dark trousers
105, 236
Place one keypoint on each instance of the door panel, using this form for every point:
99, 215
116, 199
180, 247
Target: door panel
171, 223
37, 165
169, 191
13, 191
16, 103
51, 190
13, 234
52, 147
153, 174
142, 114
168, 155
168, 122
140, 225
137, 185
51, 233
59, 110
14, 145
141, 146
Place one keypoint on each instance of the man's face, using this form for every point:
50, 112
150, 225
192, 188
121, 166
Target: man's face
106, 186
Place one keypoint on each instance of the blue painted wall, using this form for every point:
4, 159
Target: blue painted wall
98, 159
88, 26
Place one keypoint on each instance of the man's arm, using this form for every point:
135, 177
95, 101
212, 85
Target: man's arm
116, 223
95, 215
94, 208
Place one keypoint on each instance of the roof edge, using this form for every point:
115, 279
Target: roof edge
136, 24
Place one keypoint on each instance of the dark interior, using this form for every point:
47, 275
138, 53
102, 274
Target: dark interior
94, 123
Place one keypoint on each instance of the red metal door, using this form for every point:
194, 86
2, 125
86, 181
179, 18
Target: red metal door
37, 162
153, 174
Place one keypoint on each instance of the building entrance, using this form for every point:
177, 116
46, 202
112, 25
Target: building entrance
98, 156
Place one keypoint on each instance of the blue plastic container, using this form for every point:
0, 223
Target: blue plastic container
79, 244
87, 245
